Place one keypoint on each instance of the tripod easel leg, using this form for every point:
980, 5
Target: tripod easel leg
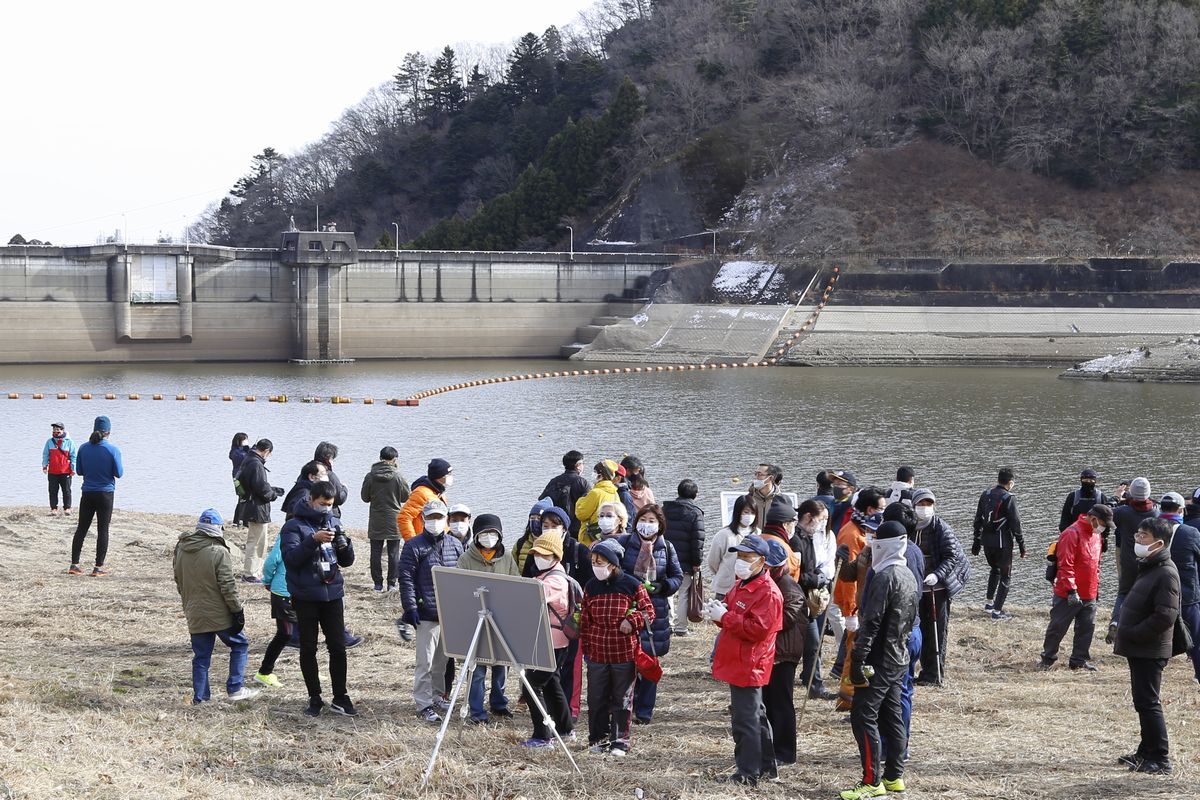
458, 685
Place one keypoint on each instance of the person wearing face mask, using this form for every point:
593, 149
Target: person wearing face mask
779, 693
1081, 500
533, 529
326, 453
1076, 586
812, 532
886, 619
1139, 506
431, 548
613, 520
58, 464
566, 489
385, 489
433, 485
997, 532
1185, 552
485, 553
844, 484
615, 609
764, 488
546, 555
852, 538
1145, 636
650, 558
587, 507
459, 523
749, 618
947, 571
721, 559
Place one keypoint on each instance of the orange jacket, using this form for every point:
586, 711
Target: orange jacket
845, 594
409, 519
793, 562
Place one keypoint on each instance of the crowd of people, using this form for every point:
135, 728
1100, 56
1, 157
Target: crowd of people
874, 570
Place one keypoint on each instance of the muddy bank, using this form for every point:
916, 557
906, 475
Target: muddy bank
94, 683
1174, 361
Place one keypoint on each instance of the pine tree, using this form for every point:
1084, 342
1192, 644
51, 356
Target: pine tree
477, 83
444, 92
528, 72
410, 82
552, 43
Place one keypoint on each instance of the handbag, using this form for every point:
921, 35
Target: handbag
1181, 638
696, 600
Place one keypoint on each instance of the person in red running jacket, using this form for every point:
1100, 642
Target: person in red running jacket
749, 617
1076, 587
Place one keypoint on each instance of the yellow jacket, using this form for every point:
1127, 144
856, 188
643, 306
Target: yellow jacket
587, 508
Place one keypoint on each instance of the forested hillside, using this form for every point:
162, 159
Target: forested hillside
790, 124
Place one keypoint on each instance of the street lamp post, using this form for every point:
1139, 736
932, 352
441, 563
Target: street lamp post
714, 234
571, 231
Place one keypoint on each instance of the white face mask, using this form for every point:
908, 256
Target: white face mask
559, 532
647, 530
924, 513
608, 524
759, 483
435, 525
448, 481
746, 520
544, 562
601, 573
488, 540
743, 569
460, 529
1141, 550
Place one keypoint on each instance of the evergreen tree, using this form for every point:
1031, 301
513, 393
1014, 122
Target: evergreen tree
477, 83
444, 92
17, 239
552, 43
410, 82
528, 73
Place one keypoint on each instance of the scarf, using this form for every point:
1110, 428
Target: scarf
644, 568
858, 518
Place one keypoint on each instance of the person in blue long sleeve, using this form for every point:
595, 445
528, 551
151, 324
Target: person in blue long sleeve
58, 464
99, 462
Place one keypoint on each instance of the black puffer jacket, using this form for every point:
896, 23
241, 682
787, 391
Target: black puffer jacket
254, 479
944, 556
810, 571
789, 642
885, 619
685, 530
1147, 622
1126, 520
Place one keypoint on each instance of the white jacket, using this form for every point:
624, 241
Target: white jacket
721, 561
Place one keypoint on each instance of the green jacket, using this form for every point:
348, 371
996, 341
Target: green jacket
204, 577
500, 564
386, 490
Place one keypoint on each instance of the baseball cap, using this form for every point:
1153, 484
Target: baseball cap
752, 544
211, 516
777, 556
460, 508
843, 475
434, 508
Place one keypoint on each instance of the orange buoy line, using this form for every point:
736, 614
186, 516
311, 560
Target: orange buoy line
415, 399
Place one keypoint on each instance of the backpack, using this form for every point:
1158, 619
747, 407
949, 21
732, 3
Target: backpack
569, 625
1078, 499
560, 495
993, 526
60, 459
1052, 558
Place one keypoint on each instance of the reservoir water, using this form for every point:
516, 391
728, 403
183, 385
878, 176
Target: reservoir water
955, 426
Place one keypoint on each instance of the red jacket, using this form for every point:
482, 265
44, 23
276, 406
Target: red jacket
746, 647
1078, 555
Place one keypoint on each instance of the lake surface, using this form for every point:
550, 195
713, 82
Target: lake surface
955, 426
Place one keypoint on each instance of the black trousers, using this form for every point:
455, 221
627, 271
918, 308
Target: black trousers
877, 706
550, 692
328, 615
1145, 681
98, 505
933, 660
1061, 617
60, 483
1000, 559
609, 701
393, 560
285, 625
753, 741
778, 698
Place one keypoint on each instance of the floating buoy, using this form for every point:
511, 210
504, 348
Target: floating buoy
226, 398
204, 397
37, 396
61, 396
85, 397
156, 397
134, 397
250, 398
14, 396
110, 397
368, 401
181, 397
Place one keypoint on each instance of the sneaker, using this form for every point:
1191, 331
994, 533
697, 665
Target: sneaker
405, 630
429, 715
244, 693
502, 713
54, 512
641, 720
66, 512
393, 587
100, 572
74, 570
250, 579
894, 786
441, 702
343, 707
618, 749
823, 694
538, 744
352, 641
1000, 616
1153, 768
926, 681
599, 748
314, 708
269, 680
681, 633
1131, 760
379, 588
1045, 665
988, 606
1087, 665
863, 791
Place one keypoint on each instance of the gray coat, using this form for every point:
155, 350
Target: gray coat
386, 490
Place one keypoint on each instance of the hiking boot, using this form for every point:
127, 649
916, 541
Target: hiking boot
314, 707
100, 572
343, 707
863, 791
1131, 760
269, 680
896, 785
1087, 665
538, 744
1000, 616
244, 693
74, 570
429, 715
1153, 768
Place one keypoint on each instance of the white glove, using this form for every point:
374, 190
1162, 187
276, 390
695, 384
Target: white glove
715, 610
851, 624
931, 580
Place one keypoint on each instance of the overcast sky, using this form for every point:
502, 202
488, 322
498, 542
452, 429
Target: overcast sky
152, 110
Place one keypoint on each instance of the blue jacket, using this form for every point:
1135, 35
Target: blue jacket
943, 556
420, 555
1185, 552
65, 444
237, 455
657, 640
100, 465
274, 571
301, 556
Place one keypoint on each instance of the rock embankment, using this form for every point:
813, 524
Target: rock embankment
1175, 361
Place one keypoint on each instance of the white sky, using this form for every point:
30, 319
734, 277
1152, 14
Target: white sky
152, 110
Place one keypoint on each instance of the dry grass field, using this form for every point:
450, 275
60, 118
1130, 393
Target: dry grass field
95, 683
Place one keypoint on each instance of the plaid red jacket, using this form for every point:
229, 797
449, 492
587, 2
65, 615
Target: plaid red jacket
605, 604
